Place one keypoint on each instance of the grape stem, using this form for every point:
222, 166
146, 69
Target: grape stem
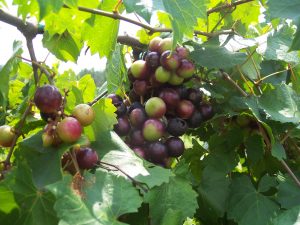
18, 133
135, 182
41, 67
228, 78
97, 99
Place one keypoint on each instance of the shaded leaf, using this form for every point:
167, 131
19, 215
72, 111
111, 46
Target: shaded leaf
211, 55
278, 151
116, 73
278, 46
184, 16
177, 195
288, 193
101, 32
36, 204
5, 72
288, 217
255, 148
48, 6
64, 46
245, 203
45, 163
281, 104
283, 9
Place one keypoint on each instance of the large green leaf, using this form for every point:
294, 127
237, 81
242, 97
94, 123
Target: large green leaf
288, 193
176, 198
284, 9
246, 203
45, 163
26, 8
5, 73
110, 196
64, 46
255, 148
278, 46
214, 183
101, 32
48, 6
289, 217
184, 14
281, 104
211, 55
296, 41
278, 151
157, 176
36, 204
105, 117
115, 72
101, 198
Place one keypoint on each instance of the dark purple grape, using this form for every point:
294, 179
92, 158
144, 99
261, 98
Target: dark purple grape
195, 96
122, 128
48, 116
175, 146
137, 117
152, 60
177, 126
137, 138
140, 87
116, 99
196, 119
135, 105
48, 99
87, 158
121, 110
206, 111
157, 152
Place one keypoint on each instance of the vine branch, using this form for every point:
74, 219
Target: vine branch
227, 6
228, 78
18, 133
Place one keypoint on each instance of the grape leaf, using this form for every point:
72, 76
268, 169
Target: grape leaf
101, 32
113, 150
211, 55
278, 151
142, 8
157, 176
255, 148
246, 203
214, 182
69, 206
296, 40
288, 217
281, 104
37, 204
47, 6
184, 14
64, 46
5, 71
105, 117
177, 195
109, 196
288, 193
26, 8
45, 163
278, 45
266, 182
283, 9
105, 197
115, 71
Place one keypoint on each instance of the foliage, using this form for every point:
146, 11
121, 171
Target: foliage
237, 168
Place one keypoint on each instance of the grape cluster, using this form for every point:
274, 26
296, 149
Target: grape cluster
160, 108
61, 128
